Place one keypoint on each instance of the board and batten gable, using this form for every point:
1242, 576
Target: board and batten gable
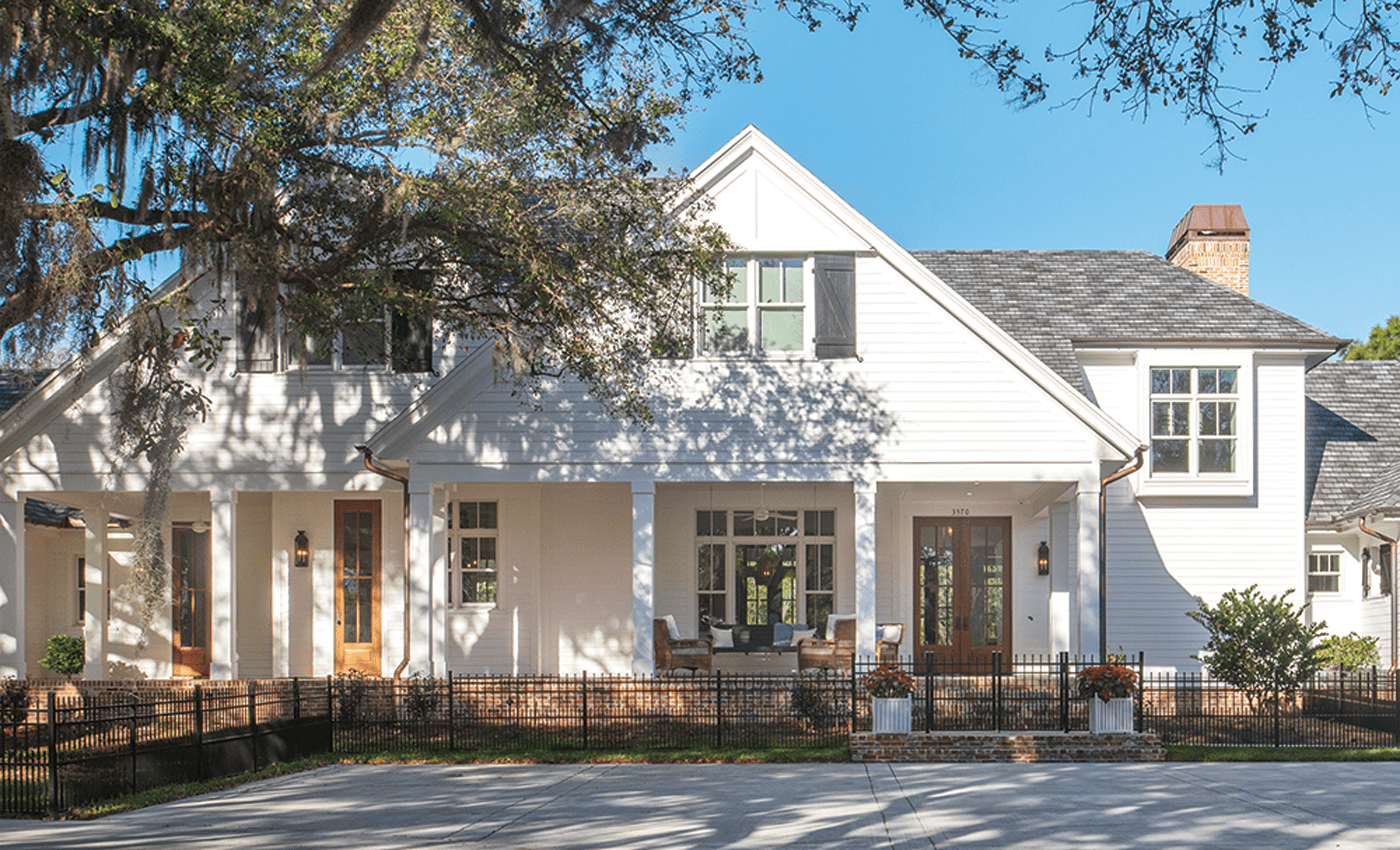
1168, 548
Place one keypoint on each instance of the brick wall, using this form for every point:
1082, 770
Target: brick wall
1225, 261
992, 747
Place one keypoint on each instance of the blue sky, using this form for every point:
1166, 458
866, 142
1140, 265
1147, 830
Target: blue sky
891, 120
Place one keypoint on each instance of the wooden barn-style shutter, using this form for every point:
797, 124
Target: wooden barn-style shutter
835, 306
412, 349
257, 323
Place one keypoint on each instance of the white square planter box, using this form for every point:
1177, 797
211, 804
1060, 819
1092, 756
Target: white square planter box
891, 716
1113, 716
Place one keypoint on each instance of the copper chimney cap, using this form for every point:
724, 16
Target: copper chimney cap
1209, 221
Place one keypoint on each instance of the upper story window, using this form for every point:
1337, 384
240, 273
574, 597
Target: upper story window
1194, 414
379, 339
792, 305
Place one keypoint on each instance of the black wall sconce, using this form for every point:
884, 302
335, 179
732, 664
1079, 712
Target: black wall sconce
1042, 559
301, 556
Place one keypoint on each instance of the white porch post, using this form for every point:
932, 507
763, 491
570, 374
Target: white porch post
865, 573
95, 578
223, 587
417, 594
281, 611
643, 576
1087, 563
435, 575
12, 650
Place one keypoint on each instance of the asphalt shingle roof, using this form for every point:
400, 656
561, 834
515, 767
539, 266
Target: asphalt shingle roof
1047, 300
1353, 438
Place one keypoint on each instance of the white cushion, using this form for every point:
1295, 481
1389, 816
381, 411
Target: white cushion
724, 638
802, 634
671, 628
832, 620
893, 633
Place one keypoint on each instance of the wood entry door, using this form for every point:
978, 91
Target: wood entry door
189, 579
962, 576
358, 564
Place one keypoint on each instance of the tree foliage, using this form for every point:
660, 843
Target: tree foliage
64, 654
1259, 644
1348, 652
1383, 344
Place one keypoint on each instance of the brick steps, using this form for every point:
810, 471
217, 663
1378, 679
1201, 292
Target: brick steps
957, 747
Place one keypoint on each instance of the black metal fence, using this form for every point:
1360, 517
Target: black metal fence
74, 749
1334, 709
1006, 693
497, 714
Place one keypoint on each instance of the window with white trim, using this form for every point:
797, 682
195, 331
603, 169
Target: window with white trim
765, 309
473, 543
780, 564
1194, 414
1324, 573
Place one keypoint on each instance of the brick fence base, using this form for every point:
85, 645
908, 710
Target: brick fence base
997, 747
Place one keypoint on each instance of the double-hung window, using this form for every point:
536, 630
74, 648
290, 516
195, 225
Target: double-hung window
1324, 573
765, 308
1195, 422
473, 538
780, 565
782, 305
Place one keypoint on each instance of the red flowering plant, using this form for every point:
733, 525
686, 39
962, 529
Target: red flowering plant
1107, 681
887, 682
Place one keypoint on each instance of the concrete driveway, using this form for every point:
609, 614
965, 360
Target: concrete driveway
590, 807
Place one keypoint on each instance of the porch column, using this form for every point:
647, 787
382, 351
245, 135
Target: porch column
95, 579
1087, 564
643, 576
865, 573
281, 610
223, 586
436, 576
12, 650
422, 572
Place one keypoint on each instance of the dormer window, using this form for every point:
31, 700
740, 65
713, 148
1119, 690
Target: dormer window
1195, 427
782, 305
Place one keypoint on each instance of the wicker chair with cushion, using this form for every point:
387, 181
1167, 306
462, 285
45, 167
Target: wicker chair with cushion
836, 652
676, 653
888, 637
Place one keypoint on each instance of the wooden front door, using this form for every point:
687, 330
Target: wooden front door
357, 568
962, 576
189, 578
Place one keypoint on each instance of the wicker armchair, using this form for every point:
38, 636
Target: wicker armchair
838, 653
888, 637
687, 654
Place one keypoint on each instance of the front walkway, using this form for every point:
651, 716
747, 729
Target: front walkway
593, 807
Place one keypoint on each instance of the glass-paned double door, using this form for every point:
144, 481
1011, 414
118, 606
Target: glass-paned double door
962, 577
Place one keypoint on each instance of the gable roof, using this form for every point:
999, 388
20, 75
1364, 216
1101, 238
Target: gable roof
1050, 300
393, 438
1353, 438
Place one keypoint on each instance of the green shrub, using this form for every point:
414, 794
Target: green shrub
14, 701
1348, 652
421, 696
64, 654
1259, 644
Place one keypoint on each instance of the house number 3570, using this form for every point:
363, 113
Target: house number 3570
962, 511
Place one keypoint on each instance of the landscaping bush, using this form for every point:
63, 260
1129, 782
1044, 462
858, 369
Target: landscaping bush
64, 654
14, 701
1259, 644
1348, 652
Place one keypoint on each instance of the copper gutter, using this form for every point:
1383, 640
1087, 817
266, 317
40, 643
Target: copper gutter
1103, 546
1394, 657
403, 480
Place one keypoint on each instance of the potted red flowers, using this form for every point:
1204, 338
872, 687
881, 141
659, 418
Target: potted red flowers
1109, 688
891, 707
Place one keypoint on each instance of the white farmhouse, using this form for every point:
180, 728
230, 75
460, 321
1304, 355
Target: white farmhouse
924, 438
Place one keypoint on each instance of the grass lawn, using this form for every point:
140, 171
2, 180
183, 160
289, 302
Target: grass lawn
1190, 752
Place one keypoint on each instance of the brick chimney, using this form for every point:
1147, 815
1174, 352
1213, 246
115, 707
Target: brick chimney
1212, 240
